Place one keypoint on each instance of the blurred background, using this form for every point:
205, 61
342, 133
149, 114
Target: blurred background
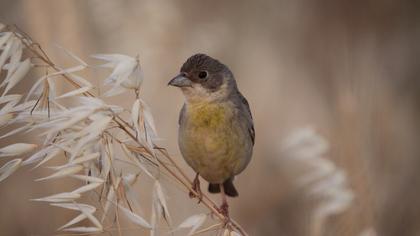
348, 68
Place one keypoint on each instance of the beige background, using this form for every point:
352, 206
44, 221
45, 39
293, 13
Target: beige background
348, 68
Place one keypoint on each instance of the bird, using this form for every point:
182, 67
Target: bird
216, 133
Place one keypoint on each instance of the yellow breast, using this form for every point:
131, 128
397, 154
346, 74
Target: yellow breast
208, 127
210, 142
207, 115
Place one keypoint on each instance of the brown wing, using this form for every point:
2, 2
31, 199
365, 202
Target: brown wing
248, 115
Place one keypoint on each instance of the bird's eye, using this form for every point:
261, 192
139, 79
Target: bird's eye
202, 74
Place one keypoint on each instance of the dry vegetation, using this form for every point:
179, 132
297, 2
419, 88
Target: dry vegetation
347, 68
96, 145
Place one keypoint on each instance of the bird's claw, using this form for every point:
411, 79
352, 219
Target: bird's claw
197, 190
197, 194
224, 210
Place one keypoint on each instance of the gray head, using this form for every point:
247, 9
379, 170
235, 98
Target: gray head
204, 78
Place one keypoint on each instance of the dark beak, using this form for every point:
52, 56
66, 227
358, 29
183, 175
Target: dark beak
180, 80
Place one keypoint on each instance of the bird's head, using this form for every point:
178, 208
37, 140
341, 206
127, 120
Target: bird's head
203, 78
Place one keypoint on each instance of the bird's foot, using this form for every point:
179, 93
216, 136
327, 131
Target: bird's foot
196, 187
224, 210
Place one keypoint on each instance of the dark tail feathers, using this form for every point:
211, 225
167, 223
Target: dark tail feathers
228, 188
214, 188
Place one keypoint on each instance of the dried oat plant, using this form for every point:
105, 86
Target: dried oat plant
318, 176
86, 136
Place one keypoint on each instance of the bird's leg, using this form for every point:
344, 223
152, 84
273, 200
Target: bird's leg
224, 208
196, 188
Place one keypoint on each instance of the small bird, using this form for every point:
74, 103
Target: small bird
216, 132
